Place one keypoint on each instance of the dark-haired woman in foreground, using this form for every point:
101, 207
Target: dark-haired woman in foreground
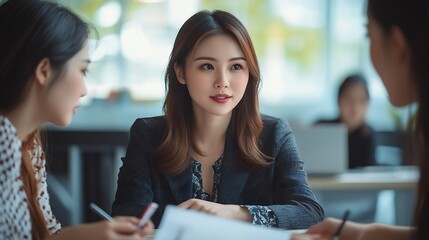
43, 60
399, 33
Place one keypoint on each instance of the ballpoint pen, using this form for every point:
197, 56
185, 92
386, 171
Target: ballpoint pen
340, 228
100, 212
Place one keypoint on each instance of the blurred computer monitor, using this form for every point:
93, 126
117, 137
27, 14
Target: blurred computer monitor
323, 148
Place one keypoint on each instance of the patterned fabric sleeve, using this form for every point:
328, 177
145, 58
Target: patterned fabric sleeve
39, 163
15, 220
263, 215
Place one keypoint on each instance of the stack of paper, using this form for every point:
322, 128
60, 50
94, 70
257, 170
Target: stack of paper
181, 224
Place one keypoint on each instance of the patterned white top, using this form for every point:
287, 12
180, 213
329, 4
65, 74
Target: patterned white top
15, 222
39, 165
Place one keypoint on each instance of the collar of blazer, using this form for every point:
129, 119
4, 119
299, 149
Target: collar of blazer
232, 180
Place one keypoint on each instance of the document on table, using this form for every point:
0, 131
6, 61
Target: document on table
179, 224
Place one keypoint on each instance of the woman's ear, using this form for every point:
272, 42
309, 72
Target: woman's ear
179, 73
43, 71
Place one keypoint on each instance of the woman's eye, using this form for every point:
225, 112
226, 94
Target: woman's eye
236, 67
207, 66
84, 72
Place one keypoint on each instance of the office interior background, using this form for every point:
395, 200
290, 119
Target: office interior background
305, 49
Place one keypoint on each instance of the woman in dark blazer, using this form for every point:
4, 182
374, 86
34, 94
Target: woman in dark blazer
399, 33
213, 151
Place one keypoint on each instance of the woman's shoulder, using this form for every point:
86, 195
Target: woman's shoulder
6, 127
274, 128
150, 123
10, 156
271, 122
8, 139
276, 134
151, 129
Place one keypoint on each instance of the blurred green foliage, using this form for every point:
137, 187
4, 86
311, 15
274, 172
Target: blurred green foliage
301, 44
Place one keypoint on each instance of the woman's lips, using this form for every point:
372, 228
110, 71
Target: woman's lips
221, 98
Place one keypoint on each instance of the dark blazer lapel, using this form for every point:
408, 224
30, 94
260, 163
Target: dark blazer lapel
233, 176
181, 185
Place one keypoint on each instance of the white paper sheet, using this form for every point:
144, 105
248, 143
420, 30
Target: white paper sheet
182, 224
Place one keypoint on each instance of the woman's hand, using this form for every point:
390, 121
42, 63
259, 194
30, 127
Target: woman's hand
220, 210
326, 230
355, 231
147, 229
120, 228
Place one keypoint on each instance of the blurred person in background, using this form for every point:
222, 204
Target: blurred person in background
353, 100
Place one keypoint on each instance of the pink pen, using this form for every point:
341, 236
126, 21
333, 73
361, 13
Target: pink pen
147, 214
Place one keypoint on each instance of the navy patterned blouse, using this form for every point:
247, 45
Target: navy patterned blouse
262, 215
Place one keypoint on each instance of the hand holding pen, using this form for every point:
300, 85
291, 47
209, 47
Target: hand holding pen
147, 214
142, 227
333, 229
340, 228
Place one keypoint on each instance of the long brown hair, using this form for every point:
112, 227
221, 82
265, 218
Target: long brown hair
412, 17
39, 229
246, 123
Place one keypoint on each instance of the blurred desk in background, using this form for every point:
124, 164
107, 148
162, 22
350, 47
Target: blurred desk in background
359, 189
369, 178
